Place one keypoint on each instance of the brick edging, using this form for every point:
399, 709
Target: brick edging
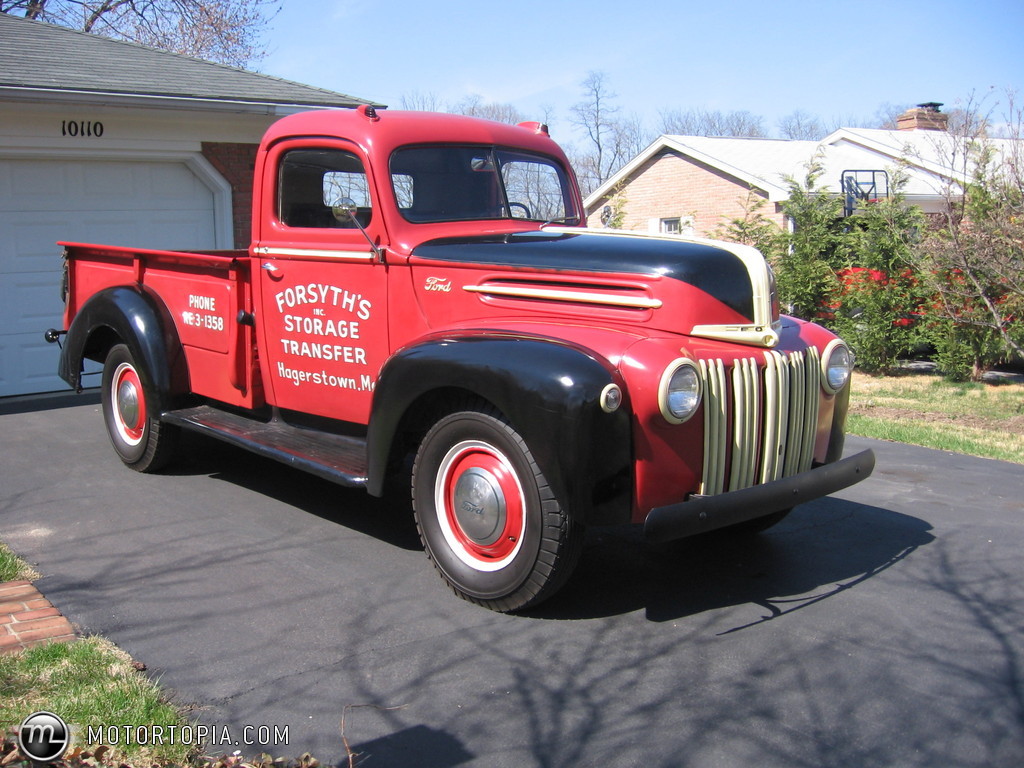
27, 618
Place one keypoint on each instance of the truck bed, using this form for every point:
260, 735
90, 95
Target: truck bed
204, 293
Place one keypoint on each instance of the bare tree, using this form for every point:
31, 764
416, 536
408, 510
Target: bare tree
801, 125
420, 101
887, 114
611, 141
225, 31
595, 115
967, 121
704, 122
973, 256
474, 106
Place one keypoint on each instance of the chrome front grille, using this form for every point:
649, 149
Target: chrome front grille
760, 418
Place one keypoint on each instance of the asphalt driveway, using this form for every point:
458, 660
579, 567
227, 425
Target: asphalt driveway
880, 627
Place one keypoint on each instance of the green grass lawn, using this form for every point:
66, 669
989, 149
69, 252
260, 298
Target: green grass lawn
13, 568
923, 409
89, 682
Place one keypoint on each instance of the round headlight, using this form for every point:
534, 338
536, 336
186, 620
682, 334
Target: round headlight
680, 391
836, 366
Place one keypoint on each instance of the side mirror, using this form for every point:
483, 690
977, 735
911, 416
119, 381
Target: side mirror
344, 211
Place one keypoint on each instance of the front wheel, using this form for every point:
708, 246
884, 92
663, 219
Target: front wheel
486, 515
142, 441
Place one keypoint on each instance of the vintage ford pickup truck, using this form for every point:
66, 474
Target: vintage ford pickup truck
420, 286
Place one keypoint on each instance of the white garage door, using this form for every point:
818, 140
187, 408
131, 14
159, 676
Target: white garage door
147, 204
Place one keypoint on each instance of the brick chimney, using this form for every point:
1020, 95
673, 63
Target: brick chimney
923, 117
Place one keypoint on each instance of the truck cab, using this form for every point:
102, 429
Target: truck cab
343, 205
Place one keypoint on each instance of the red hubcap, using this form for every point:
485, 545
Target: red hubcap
480, 505
129, 404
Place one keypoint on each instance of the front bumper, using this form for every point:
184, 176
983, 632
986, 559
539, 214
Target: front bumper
706, 513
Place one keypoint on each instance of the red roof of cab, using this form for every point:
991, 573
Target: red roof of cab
391, 129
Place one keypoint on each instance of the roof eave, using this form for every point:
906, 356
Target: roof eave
775, 192
898, 155
168, 101
624, 172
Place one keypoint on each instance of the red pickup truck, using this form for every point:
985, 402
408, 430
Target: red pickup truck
420, 286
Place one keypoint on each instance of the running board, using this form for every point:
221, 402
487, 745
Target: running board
333, 457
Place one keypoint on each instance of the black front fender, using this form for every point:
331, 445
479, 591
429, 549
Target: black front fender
134, 316
550, 393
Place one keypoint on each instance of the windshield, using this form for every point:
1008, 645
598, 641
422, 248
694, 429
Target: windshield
452, 183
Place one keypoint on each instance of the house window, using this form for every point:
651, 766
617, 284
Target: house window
671, 226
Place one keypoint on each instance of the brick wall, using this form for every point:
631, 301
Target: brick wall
670, 185
236, 163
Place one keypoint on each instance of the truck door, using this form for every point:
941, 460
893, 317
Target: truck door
322, 322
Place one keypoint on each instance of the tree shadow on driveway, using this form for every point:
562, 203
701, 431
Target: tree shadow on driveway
388, 519
823, 548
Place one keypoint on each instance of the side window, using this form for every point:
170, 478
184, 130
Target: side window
313, 181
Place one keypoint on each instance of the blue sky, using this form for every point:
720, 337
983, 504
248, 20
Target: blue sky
831, 59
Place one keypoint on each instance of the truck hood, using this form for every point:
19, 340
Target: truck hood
736, 277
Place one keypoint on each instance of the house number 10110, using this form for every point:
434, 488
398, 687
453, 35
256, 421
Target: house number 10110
81, 128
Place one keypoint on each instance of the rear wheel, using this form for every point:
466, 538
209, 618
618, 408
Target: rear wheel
142, 441
486, 515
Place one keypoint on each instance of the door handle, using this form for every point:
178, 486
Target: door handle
270, 267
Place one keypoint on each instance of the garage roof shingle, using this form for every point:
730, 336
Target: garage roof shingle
39, 56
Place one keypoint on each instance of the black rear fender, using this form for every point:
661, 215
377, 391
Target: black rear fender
132, 315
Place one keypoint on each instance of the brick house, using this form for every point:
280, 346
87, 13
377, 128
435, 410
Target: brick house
106, 141
695, 184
